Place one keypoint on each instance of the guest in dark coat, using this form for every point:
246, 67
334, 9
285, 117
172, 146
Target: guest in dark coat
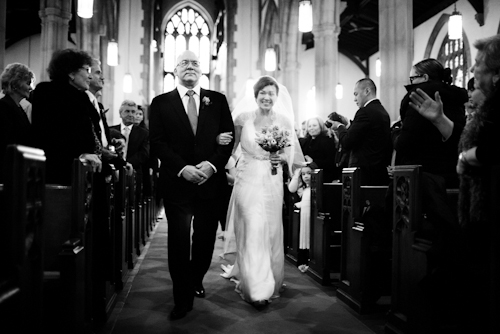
319, 149
15, 128
419, 141
368, 137
64, 119
137, 150
479, 153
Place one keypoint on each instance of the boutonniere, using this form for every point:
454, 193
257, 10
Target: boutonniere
206, 101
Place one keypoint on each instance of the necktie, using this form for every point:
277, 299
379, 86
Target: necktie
104, 140
192, 114
126, 133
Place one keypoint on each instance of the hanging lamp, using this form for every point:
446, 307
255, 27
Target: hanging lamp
455, 25
339, 91
112, 53
305, 16
270, 60
85, 8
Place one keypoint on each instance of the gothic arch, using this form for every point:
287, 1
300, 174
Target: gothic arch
193, 4
443, 20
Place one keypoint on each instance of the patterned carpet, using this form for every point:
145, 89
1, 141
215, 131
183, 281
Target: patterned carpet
305, 306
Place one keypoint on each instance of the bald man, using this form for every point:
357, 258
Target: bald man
184, 124
368, 137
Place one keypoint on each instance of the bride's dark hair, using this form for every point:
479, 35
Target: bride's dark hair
264, 82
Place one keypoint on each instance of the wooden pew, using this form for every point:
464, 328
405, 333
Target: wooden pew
68, 266
494, 281
120, 229
132, 242
324, 252
291, 220
21, 235
413, 302
364, 258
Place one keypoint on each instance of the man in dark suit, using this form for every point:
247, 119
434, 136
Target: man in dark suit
136, 150
184, 124
368, 136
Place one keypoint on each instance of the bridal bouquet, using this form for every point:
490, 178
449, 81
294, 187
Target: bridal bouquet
272, 139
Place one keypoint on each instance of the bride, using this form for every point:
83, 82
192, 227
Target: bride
254, 219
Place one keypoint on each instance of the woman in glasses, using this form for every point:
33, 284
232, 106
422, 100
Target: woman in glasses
422, 142
65, 123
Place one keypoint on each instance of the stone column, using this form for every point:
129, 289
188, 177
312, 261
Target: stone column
55, 15
290, 38
396, 51
326, 16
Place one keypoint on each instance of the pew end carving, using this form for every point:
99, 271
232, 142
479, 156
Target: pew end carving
21, 239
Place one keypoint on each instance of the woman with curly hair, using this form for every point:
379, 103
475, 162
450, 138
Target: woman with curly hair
65, 123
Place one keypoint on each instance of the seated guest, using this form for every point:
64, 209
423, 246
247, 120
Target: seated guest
319, 149
136, 150
64, 119
15, 127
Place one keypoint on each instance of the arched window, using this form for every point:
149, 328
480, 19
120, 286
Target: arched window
452, 55
186, 30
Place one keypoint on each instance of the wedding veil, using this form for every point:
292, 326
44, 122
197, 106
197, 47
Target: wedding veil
283, 107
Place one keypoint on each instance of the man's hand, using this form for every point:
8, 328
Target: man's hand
129, 168
224, 138
119, 144
194, 174
107, 154
205, 167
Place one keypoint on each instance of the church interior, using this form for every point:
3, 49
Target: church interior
319, 58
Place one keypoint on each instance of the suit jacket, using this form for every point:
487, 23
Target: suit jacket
137, 146
173, 142
15, 128
369, 137
63, 119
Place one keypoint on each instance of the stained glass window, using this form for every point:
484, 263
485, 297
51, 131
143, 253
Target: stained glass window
186, 30
452, 55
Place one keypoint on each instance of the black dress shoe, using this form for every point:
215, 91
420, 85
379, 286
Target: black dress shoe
179, 312
199, 291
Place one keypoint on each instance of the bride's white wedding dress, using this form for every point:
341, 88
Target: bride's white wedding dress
255, 216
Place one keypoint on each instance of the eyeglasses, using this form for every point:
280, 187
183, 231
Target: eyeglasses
87, 69
413, 77
185, 63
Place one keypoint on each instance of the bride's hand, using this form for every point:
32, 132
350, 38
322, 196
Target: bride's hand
276, 159
224, 138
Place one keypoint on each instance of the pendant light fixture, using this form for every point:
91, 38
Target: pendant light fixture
270, 60
378, 67
455, 25
85, 8
305, 16
112, 53
339, 91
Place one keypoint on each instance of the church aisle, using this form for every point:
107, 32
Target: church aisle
146, 301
